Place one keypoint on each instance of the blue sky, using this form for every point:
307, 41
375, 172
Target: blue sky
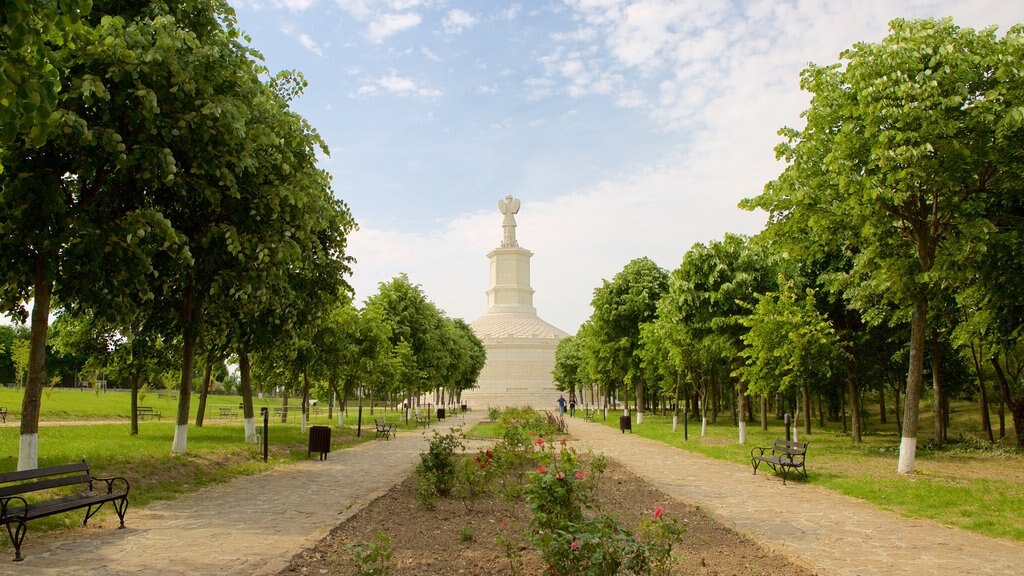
627, 128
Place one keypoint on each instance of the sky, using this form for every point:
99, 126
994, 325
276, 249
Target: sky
626, 128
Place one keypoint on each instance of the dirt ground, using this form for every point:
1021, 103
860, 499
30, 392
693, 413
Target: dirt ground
453, 539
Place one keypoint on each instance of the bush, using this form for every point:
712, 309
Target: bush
437, 470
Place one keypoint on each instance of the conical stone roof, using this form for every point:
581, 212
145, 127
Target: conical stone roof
495, 325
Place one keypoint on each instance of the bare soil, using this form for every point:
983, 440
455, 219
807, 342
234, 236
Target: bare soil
458, 538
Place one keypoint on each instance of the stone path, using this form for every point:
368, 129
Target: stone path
253, 525
827, 532
250, 526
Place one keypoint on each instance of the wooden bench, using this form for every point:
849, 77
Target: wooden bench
384, 429
783, 455
3, 413
588, 414
89, 492
228, 413
422, 421
144, 412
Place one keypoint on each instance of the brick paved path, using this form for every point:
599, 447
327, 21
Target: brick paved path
827, 532
253, 525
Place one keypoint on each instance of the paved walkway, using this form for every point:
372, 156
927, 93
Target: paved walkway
250, 526
253, 525
828, 533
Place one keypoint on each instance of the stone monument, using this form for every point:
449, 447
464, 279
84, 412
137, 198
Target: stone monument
520, 346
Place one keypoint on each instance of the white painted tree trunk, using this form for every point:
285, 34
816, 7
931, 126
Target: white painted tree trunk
794, 435
639, 417
341, 416
180, 444
908, 451
704, 426
28, 452
743, 432
675, 422
250, 431
303, 427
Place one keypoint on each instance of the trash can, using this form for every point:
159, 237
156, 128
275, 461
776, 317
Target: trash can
625, 424
440, 413
319, 441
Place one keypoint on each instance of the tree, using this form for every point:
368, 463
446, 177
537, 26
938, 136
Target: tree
907, 144
715, 287
621, 307
31, 36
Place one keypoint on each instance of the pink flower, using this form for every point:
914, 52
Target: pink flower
540, 441
580, 475
541, 469
560, 475
504, 524
575, 545
658, 512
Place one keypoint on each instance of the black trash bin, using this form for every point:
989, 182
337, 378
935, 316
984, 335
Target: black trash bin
440, 413
625, 424
319, 441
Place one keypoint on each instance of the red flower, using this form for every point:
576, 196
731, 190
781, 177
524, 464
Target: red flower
658, 512
575, 545
541, 469
540, 441
563, 441
580, 475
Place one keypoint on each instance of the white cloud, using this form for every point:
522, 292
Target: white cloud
510, 13
294, 5
456, 20
384, 26
307, 41
394, 84
429, 54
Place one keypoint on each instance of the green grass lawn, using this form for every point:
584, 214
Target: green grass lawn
968, 484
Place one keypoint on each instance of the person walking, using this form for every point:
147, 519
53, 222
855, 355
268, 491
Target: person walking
572, 405
561, 405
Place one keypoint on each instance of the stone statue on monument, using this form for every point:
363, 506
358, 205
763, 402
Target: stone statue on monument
509, 207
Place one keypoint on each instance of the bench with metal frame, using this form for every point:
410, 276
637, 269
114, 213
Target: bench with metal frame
781, 457
144, 412
3, 413
384, 429
88, 492
228, 413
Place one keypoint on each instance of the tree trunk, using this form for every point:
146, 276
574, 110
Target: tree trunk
764, 413
284, 404
248, 413
134, 383
641, 400
842, 407
305, 397
851, 385
715, 393
741, 411
882, 419
986, 419
807, 409
940, 422
1016, 407
28, 451
896, 409
205, 391
821, 411
190, 333
908, 442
